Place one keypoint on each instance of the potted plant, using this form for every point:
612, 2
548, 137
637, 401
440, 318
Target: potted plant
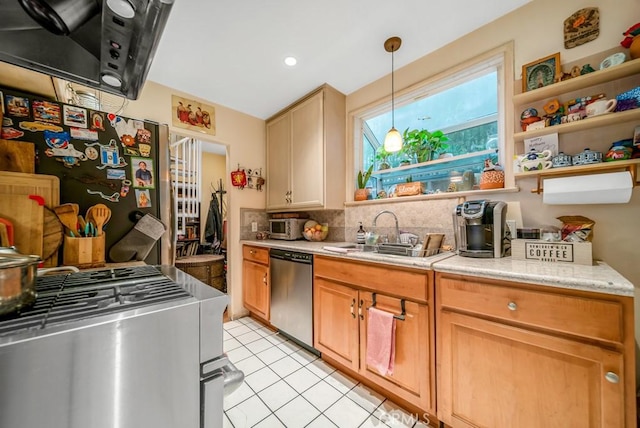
422, 145
382, 156
362, 193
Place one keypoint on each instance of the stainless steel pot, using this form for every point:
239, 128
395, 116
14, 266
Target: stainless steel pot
18, 274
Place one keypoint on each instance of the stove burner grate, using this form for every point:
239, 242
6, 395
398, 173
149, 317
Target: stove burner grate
64, 298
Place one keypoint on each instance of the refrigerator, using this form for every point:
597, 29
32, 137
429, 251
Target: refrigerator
99, 157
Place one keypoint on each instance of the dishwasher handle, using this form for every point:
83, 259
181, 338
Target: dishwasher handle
291, 256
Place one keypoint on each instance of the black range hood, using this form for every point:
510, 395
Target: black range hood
102, 44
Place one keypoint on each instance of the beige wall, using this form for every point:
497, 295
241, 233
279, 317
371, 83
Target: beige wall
536, 30
244, 137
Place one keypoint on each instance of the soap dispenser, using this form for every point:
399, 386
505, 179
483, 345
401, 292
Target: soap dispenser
360, 235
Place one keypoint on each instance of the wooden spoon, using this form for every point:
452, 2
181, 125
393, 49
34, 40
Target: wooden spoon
68, 215
101, 215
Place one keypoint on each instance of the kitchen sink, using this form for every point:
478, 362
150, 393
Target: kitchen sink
397, 249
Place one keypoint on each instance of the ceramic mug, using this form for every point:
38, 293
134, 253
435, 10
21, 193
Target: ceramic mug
599, 107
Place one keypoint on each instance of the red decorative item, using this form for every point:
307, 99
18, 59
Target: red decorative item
239, 178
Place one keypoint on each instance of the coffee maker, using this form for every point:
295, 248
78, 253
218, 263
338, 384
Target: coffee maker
479, 228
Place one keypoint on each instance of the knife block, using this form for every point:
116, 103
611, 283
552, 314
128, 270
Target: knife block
84, 252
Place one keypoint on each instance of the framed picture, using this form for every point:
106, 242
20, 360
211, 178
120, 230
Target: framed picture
541, 72
143, 174
192, 115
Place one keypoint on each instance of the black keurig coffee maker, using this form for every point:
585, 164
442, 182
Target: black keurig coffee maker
479, 228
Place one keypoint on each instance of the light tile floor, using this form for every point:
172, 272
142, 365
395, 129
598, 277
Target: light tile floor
287, 386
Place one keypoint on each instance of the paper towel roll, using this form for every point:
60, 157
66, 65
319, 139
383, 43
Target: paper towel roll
609, 188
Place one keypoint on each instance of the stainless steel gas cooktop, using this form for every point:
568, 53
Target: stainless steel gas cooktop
65, 298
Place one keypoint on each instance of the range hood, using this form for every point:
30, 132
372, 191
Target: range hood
103, 44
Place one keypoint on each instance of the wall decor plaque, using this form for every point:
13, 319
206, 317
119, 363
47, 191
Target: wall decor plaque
193, 115
581, 27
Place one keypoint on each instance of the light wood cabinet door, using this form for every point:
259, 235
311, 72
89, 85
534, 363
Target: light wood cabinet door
278, 161
335, 322
499, 376
412, 375
256, 290
307, 153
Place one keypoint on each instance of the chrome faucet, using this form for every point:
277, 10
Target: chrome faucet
395, 218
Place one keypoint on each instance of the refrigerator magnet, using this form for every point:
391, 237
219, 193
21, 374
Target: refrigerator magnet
16, 106
143, 198
46, 111
130, 151
142, 169
75, 116
97, 121
143, 136
124, 190
84, 134
92, 153
116, 174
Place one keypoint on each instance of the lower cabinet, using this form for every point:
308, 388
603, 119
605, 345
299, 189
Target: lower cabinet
508, 358
340, 326
256, 289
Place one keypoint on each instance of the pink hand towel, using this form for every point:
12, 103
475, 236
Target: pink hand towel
381, 341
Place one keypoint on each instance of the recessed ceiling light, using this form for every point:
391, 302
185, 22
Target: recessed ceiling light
290, 61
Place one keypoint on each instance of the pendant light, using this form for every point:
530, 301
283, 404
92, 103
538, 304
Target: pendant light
393, 140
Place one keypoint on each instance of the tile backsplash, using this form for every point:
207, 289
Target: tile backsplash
418, 217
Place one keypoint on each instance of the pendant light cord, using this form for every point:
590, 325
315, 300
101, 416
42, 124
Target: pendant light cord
393, 118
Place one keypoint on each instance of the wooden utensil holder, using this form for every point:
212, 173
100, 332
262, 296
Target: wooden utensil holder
84, 252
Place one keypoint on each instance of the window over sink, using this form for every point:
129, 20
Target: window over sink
467, 104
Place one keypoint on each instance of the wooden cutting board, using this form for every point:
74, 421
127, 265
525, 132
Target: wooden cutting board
19, 183
17, 156
27, 216
47, 186
52, 234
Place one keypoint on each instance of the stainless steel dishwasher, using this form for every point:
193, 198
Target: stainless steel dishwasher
292, 294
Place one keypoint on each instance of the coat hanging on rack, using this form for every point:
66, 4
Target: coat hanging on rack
213, 226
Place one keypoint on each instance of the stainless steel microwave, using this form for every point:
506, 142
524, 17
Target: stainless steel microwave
288, 229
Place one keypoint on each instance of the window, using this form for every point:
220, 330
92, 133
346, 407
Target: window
465, 105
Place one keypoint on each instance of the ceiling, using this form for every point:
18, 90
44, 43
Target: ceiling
232, 52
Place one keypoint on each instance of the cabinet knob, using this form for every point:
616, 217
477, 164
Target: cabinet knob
264, 279
612, 377
252, 251
360, 309
512, 306
353, 303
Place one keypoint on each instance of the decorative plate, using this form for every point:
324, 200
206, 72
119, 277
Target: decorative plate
610, 61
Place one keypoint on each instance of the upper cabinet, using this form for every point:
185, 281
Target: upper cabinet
306, 153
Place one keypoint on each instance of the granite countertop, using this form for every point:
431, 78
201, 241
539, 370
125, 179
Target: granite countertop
599, 277
318, 248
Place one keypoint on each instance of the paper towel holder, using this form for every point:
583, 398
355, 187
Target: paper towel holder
610, 188
625, 165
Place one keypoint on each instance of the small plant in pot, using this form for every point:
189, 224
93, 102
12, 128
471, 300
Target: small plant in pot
422, 145
362, 193
382, 156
